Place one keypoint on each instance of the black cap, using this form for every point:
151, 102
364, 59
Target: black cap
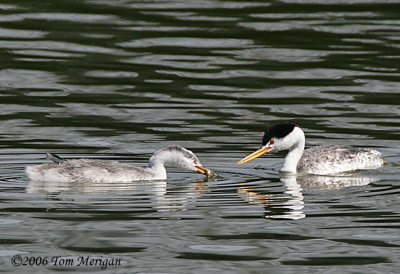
277, 131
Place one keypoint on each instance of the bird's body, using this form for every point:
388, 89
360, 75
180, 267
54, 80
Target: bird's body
92, 170
322, 160
113, 171
328, 159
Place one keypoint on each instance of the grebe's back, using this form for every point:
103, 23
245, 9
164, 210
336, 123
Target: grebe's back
329, 159
87, 170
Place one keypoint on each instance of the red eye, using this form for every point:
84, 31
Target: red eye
271, 142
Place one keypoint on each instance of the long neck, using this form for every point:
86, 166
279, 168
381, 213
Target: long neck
162, 157
156, 166
158, 170
294, 155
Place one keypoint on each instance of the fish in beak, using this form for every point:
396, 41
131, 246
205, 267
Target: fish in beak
254, 155
205, 171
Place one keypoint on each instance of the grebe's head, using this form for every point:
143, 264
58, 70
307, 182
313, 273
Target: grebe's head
277, 137
181, 157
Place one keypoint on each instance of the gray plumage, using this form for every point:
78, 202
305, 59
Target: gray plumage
337, 158
87, 169
55, 158
113, 171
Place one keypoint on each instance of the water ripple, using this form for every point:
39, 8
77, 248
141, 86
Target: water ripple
187, 42
120, 79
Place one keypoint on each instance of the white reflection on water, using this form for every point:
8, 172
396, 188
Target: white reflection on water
291, 204
161, 198
288, 204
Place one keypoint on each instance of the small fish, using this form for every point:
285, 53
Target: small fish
211, 174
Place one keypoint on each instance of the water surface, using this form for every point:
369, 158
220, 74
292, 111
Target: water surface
120, 79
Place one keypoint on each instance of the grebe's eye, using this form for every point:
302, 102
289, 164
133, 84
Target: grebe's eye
271, 142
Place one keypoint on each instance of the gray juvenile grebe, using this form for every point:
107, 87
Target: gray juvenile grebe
112, 171
325, 159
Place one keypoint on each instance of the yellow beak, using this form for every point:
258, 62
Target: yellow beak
256, 154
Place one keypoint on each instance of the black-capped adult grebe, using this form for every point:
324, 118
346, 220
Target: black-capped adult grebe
322, 160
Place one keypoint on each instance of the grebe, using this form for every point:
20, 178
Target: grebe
113, 171
321, 160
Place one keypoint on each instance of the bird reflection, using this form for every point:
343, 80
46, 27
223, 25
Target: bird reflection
162, 198
290, 203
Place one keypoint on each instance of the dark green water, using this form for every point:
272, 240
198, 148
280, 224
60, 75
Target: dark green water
120, 79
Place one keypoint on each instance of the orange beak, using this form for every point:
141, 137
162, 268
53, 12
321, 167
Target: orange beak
256, 154
202, 170
205, 171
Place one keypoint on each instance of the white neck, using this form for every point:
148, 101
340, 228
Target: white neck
158, 170
161, 157
297, 139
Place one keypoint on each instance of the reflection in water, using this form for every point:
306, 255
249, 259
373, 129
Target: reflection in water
161, 198
319, 182
290, 204
120, 78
